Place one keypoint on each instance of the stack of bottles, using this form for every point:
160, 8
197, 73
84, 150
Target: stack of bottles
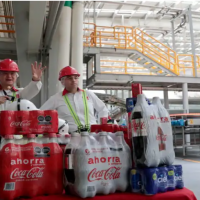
151, 181
152, 142
31, 165
96, 164
25, 122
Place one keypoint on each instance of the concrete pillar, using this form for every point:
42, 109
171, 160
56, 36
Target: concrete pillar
122, 94
77, 39
59, 54
166, 99
64, 35
186, 107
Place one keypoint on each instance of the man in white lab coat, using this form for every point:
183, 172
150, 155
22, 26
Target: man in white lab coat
74, 104
8, 76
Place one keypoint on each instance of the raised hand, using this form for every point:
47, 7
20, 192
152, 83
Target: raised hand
37, 71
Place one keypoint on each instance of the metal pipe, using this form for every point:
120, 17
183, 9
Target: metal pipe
51, 20
56, 23
94, 11
144, 88
192, 40
173, 36
140, 5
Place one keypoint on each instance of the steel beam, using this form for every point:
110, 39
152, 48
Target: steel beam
151, 81
103, 87
36, 22
173, 36
192, 40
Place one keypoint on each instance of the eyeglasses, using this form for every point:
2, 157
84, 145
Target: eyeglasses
72, 77
8, 73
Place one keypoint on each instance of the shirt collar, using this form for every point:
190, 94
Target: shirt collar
66, 91
12, 89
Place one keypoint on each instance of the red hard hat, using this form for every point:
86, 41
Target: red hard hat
67, 71
9, 65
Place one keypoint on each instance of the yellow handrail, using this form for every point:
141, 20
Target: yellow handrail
124, 37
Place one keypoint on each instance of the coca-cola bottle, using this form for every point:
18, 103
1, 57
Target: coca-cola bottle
56, 169
93, 138
144, 132
18, 139
83, 185
69, 162
31, 138
67, 139
164, 134
6, 140
123, 153
44, 139
108, 150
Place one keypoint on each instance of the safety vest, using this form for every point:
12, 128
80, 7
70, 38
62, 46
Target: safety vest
75, 116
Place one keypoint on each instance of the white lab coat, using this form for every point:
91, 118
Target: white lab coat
57, 102
30, 91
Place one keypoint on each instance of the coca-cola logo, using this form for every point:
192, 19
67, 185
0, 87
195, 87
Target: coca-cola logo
35, 172
24, 123
161, 137
138, 125
164, 119
87, 151
152, 117
109, 174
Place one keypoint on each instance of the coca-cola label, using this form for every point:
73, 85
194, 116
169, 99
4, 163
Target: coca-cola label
24, 123
138, 128
108, 174
35, 172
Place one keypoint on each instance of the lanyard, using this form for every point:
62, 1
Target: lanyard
11, 98
75, 116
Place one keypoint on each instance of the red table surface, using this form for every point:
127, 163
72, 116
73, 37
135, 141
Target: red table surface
183, 194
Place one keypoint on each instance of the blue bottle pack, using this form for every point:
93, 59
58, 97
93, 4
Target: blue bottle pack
178, 172
162, 179
150, 181
136, 181
171, 178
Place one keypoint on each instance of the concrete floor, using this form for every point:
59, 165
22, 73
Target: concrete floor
191, 174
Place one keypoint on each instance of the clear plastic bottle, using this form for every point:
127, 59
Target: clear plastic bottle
6, 140
124, 154
83, 154
31, 138
69, 162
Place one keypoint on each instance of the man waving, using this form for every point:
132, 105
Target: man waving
8, 76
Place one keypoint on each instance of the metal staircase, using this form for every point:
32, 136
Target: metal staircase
153, 55
146, 50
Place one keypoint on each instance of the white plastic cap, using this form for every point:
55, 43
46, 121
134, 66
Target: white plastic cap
156, 100
119, 133
84, 134
75, 134
103, 133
